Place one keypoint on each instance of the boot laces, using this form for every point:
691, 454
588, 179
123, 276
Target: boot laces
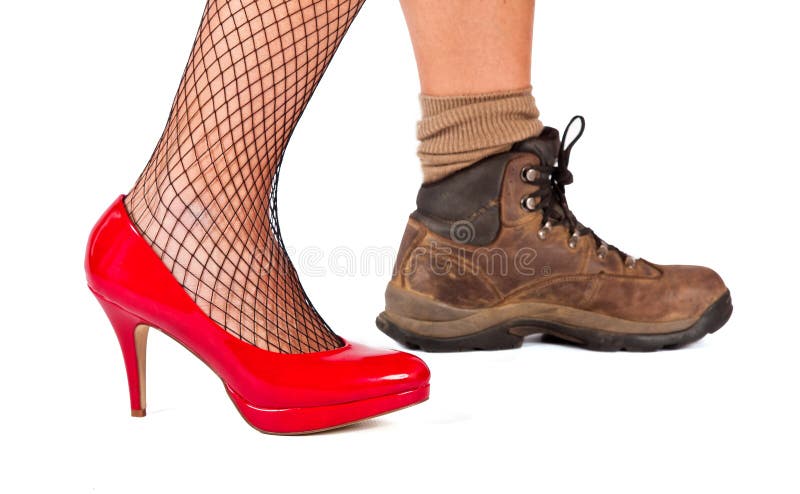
550, 197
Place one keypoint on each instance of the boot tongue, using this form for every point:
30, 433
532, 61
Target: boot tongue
545, 146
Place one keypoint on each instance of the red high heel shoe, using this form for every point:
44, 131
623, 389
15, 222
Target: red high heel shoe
274, 392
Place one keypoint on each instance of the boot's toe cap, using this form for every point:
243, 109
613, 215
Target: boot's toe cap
692, 289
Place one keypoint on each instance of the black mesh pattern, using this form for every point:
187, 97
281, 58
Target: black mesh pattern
206, 200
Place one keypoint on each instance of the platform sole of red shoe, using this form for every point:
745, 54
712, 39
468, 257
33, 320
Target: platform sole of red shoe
310, 420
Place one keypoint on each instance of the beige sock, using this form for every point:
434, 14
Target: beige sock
457, 131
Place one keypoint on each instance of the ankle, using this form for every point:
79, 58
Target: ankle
157, 212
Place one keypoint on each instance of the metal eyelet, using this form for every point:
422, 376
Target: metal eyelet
543, 231
573, 240
602, 251
528, 203
529, 174
630, 262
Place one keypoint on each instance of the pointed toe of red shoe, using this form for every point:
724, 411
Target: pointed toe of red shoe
360, 382
375, 371
301, 393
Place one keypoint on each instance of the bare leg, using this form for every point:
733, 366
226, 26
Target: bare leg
471, 46
474, 62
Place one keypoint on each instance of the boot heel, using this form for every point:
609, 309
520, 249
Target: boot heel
132, 335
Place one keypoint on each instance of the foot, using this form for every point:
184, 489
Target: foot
493, 254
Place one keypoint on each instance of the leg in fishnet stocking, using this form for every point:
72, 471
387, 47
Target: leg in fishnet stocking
206, 201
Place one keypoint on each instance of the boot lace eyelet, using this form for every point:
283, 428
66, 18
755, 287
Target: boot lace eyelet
573, 241
602, 251
543, 231
528, 203
630, 262
529, 174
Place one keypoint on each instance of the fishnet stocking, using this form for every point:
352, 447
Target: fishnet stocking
206, 200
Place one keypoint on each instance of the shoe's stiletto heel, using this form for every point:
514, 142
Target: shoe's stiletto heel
275, 392
132, 335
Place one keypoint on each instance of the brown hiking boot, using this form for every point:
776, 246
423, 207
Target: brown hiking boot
493, 254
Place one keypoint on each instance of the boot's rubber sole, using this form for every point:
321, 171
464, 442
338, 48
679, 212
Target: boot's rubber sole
512, 332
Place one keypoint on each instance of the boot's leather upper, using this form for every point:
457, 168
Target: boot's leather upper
500, 232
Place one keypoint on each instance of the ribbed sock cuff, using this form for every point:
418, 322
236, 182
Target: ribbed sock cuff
457, 131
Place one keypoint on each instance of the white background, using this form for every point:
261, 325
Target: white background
690, 156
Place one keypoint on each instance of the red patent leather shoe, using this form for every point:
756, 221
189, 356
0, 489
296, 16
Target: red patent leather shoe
275, 392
